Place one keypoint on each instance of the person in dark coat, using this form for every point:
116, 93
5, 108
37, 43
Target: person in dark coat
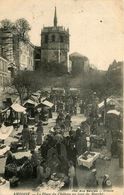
34, 163
64, 165
39, 132
50, 112
10, 158
32, 142
44, 149
54, 163
40, 172
72, 153
9, 161
25, 137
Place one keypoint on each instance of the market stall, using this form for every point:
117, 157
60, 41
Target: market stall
97, 141
45, 110
5, 131
18, 109
87, 159
30, 109
113, 120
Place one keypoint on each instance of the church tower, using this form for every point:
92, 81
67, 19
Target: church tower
54, 44
55, 18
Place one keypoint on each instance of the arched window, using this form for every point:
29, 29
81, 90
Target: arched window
61, 39
46, 38
53, 38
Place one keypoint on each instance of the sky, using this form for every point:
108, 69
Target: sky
96, 26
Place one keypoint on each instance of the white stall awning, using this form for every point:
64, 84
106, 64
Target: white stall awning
5, 131
18, 108
47, 103
113, 112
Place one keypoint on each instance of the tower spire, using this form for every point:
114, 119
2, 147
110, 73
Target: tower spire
55, 18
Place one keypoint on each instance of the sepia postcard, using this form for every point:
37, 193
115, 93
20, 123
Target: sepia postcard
61, 97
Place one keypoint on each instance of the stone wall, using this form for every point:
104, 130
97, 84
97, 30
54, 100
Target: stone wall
16, 51
59, 56
26, 56
4, 73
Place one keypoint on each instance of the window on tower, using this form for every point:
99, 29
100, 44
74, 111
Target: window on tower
53, 38
61, 39
46, 38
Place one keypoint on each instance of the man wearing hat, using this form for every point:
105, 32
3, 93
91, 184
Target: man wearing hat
91, 180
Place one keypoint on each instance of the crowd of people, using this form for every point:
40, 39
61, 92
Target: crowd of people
56, 152
67, 102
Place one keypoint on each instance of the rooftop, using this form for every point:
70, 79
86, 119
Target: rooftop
76, 54
55, 29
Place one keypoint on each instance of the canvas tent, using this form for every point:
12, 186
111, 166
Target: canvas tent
47, 103
101, 105
30, 102
5, 132
113, 112
111, 101
5, 110
18, 108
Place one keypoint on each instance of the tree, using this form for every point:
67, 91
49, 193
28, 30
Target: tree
6, 24
22, 27
27, 82
19, 28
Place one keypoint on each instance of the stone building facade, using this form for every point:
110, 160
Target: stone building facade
17, 51
5, 74
55, 44
6, 45
23, 54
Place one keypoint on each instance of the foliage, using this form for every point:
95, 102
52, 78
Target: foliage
22, 27
6, 24
27, 82
19, 28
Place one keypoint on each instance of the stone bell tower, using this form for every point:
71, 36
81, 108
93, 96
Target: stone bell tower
55, 44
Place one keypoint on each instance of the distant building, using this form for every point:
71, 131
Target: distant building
115, 71
116, 67
17, 51
5, 74
55, 44
79, 63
